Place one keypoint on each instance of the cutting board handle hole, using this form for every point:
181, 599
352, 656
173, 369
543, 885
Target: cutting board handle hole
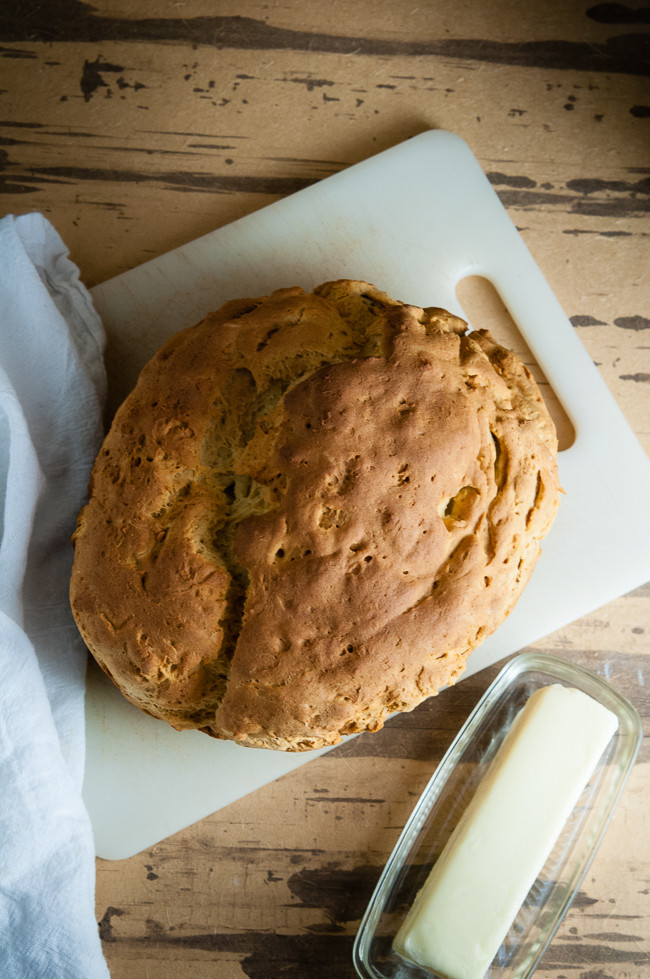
485, 310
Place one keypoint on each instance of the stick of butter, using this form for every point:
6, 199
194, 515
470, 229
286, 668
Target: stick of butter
463, 912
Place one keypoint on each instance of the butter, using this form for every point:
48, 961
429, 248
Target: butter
463, 912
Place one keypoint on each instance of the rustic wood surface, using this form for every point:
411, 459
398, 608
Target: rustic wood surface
136, 126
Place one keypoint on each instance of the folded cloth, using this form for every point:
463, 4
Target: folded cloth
52, 387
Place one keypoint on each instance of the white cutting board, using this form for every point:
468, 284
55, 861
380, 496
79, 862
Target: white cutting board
414, 220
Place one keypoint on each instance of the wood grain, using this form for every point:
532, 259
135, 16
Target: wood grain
136, 127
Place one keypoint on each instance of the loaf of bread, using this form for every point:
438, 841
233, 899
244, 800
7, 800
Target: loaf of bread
309, 511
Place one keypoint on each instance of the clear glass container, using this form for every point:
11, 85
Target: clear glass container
448, 793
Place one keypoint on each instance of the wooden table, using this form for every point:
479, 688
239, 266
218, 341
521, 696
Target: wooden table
137, 126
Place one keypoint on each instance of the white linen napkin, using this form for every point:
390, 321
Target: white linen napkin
52, 388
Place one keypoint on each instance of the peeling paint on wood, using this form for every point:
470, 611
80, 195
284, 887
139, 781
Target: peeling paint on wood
73, 20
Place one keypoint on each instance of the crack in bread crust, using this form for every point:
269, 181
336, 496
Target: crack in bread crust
309, 511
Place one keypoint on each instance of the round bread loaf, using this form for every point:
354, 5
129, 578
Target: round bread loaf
309, 511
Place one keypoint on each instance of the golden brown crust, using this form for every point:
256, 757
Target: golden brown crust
310, 510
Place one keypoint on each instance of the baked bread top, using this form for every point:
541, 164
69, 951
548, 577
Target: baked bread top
309, 511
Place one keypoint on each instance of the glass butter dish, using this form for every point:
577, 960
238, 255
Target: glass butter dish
504, 802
